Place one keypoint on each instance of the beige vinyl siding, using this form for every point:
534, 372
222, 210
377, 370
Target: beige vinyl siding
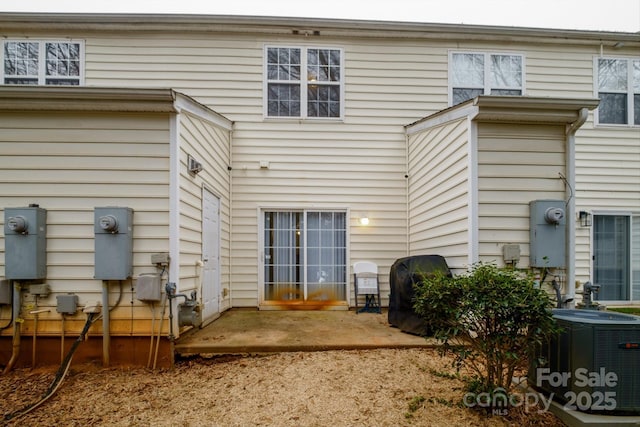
357, 164
71, 162
607, 179
223, 72
328, 170
516, 164
439, 186
209, 144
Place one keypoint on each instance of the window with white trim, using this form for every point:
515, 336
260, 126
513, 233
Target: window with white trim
303, 82
479, 73
616, 256
618, 87
42, 62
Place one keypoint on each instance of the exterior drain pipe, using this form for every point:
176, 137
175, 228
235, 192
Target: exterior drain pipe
17, 288
570, 248
106, 336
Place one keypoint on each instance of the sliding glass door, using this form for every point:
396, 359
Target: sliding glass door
616, 257
305, 256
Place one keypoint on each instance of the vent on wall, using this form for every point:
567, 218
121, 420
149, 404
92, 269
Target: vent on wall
194, 166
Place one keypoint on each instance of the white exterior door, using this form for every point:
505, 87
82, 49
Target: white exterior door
210, 256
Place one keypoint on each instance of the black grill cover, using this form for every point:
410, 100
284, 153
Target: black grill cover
404, 273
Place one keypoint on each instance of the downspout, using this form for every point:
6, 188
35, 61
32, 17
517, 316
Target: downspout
174, 217
106, 326
406, 187
16, 328
230, 169
474, 210
583, 113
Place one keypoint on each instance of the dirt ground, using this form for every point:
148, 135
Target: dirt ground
386, 387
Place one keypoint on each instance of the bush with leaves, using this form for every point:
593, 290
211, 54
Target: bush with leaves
491, 318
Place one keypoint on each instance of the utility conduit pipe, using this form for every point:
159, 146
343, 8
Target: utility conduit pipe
17, 288
164, 306
60, 374
62, 338
152, 306
35, 333
106, 337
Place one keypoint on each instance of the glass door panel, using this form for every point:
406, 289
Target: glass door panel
305, 256
284, 258
611, 250
326, 256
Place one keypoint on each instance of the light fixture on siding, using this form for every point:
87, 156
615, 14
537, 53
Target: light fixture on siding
194, 166
585, 218
364, 220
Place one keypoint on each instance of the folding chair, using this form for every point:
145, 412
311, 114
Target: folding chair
365, 279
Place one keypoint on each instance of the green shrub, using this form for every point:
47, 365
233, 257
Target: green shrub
492, 319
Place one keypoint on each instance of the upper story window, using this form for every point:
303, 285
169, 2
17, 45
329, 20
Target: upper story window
477, 73
29, 62
618, 87
304, 82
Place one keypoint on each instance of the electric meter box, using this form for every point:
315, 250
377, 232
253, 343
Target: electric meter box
547, 228
25, 239
113, 230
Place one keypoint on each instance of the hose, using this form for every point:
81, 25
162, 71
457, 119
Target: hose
60, 374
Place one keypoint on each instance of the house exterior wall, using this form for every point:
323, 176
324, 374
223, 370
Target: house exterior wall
439, 192
607, 180
208, 143
392, 77
69, 163
517, 163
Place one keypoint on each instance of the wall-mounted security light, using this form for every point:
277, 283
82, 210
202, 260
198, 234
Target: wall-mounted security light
194, 166
363, 220
585, 218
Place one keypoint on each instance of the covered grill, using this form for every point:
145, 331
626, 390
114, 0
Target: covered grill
404, 273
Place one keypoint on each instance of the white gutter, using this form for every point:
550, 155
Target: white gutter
473, 204
305, 27
174, 210
406, 194
571, 204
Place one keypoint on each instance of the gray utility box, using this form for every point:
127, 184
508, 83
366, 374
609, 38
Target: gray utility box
113, 228
25, 239
6, 294
149, 287
547, 226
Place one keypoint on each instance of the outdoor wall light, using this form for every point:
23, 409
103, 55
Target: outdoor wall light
364, 220
585, 218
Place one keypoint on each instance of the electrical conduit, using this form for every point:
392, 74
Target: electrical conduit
16, 327
60, 374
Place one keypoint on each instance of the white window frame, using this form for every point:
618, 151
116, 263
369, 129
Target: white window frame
262, 301
631, 215
303, 83
629, 92
42, 77
486, 89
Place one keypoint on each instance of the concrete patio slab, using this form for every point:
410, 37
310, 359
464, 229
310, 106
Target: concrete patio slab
240, 331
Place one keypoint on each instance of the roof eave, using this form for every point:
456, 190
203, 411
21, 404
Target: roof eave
74, 98
305, 27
